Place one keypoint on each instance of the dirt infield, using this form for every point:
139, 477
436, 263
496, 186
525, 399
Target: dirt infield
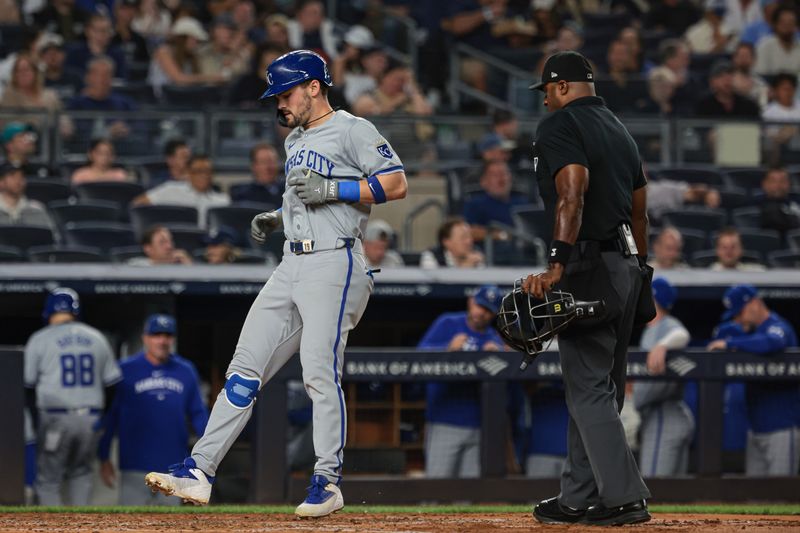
372, 522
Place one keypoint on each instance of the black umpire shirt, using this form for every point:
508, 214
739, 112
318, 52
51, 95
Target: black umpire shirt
586, 132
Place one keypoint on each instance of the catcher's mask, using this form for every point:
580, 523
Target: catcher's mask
529, 324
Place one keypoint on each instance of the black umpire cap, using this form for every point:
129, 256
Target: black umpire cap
566, 66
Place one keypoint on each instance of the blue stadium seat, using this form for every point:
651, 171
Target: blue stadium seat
11, 254
746, 178
783, 259
236, 217
711, 177
734, 197
697, 218
793, 240
25, 237
47, 190
747, 217
66, 254
64, 212
145, 216
411, 258
105, 235
121, 254
186, 237
121, 192
192, 96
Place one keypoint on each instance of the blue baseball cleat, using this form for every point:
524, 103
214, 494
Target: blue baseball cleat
184, 480
323, 499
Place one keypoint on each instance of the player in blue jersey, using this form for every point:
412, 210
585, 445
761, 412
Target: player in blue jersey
453, 414
773, 409
547, 437
160, 390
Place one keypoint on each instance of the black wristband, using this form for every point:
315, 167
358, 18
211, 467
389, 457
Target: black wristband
559, 252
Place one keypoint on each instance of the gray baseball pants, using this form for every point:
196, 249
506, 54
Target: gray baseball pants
666, 432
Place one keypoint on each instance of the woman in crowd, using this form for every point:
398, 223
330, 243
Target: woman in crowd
100, 166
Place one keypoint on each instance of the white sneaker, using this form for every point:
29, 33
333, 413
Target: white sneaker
323, 499
184, 480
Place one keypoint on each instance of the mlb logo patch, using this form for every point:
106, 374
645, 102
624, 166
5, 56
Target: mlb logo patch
385, 151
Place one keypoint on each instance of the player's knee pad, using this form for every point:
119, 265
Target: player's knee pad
241, 391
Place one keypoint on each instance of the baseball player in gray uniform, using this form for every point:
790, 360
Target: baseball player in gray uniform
667, 423
68, 364
336, 166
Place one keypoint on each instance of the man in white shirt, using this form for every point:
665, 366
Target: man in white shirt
784, 107
197, 192
779, 52
15, 208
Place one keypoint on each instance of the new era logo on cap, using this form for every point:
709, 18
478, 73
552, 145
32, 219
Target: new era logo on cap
553, 75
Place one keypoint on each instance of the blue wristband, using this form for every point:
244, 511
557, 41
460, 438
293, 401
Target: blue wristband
349, 191
377, 189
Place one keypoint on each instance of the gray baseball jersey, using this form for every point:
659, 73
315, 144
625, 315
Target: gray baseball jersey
344, 147
69, 364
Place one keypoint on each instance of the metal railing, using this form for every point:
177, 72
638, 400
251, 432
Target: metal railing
408, 223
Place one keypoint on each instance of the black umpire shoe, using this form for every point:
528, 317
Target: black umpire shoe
630, 513
552, 512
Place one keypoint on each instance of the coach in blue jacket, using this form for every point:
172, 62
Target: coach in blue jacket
773, 409
159, 391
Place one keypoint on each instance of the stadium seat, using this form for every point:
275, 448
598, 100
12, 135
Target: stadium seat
711, 177
793, 240
746, 178
735, 197
192, 96
47, 190
705, 258
531, 221
186, 237
273, 246
11, 254
783, 259
411, 258
762, 241
236, 217
101, 235
139, 92
66, 254
121, 254
747, 217
145, 216
697, 218
64, 212
121, 192
25, 237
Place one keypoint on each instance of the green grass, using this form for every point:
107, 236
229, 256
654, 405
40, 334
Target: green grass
764, 509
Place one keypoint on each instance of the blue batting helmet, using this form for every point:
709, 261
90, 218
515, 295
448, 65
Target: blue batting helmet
61, 300
293, 69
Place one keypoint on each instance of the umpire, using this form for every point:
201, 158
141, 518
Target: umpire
591, 180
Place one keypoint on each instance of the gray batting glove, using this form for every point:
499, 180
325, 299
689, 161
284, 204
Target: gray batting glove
314, 189
265, 223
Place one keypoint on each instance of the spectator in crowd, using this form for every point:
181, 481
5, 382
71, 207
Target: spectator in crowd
246, 90
784, 106
779, 211
56, 74
398, 91
780, 52
722, 100
15, 207
745, 82
740, 13
495, 147
99, 33
710, 35
159, 249
221, 246
197, 191
618, 94
277, 28
471, 22
360, 64
632, 38
98, 95
221, 56
453, 414
247, 32
311, 30
729, 253
26, 91
456, 248
675, 56
158, 395
100, 165
664, 195
177, 61
378, 246
19, 145
757, 30
133, 45
61, 17
667, 426
494, 202
267, 186
668, 250
176, 157
569, 37
672, 16
153, 21
544, 24
772, 407
25, 45
661, 83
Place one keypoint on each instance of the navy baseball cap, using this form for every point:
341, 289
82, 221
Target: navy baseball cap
566, 66
489, 296
736, 298
664, 293
159, 323
221, 235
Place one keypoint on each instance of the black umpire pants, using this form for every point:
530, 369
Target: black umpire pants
600, 467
